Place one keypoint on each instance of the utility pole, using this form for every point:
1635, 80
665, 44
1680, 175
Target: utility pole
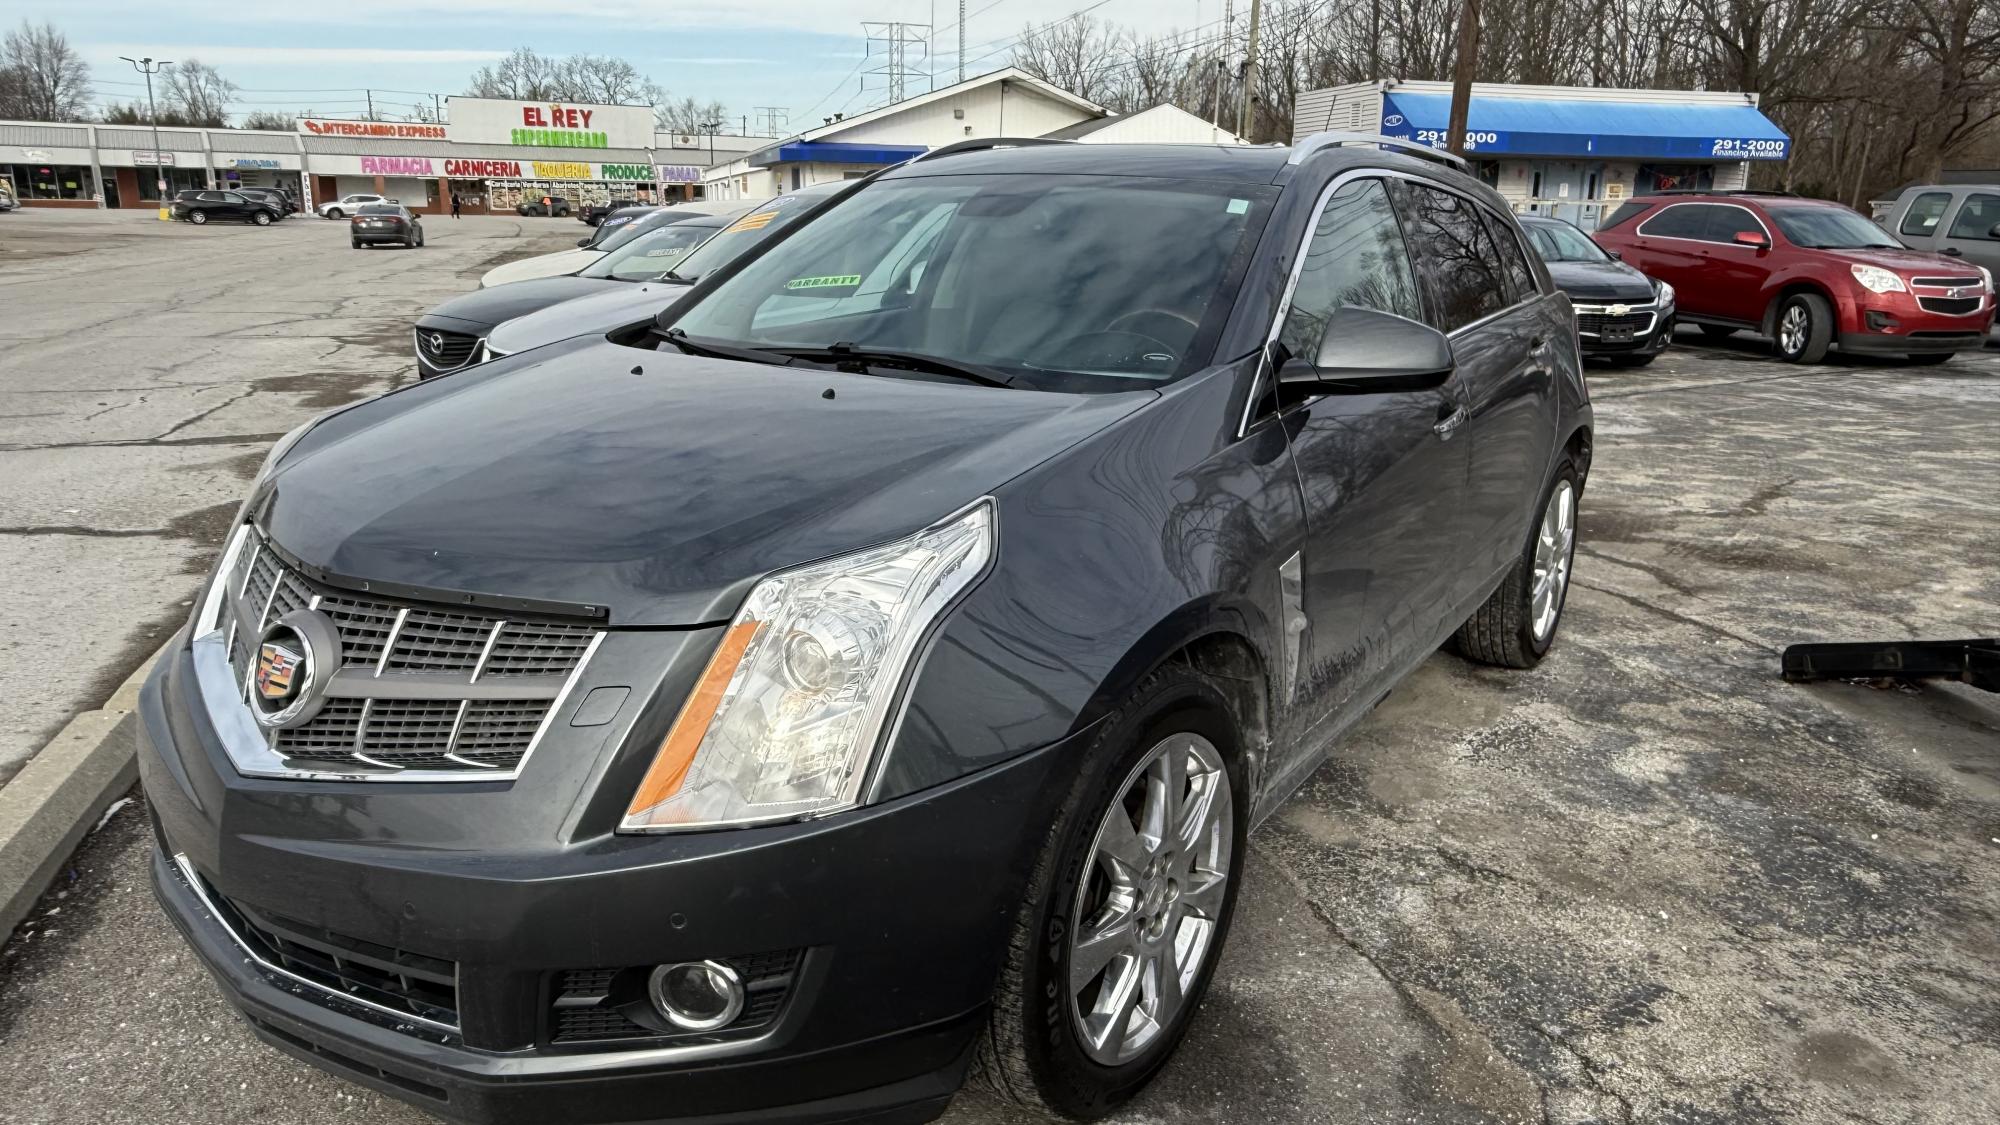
1374, 40
371, 103
961, 40
1243, 121
147, 67
1461, 76
711, 128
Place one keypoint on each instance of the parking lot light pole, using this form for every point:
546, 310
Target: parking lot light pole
711, 128
147, 67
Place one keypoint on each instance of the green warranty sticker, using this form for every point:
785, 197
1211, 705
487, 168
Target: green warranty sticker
836, 281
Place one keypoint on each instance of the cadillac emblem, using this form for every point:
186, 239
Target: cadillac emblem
290, 669
278, 671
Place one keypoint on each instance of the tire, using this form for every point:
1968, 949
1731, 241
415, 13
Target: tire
198, 218
1513, 629
261, 218
1803, 329
1717, 331
1035, 1051
336, 213
1931, 359
355, 242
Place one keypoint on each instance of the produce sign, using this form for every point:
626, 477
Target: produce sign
637, 173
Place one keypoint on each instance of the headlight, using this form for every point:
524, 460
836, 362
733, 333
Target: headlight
1875, 279
1662, 292
1986, 275
785, 720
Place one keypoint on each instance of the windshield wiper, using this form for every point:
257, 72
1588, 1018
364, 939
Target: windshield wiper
912, 361
676, 278
680, 339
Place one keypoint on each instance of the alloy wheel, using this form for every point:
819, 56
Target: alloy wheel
1554, 544
1150, 900
1793, 328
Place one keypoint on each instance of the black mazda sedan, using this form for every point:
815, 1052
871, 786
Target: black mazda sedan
1621, 314
863, 676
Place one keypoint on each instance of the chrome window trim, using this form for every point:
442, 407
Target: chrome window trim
247, 743
194, 884
1284, 309
1640, 230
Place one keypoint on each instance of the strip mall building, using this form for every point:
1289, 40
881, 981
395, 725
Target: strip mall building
493, 154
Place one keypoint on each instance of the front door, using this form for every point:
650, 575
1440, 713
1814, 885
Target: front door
1973, 232
1383, 476
1738, 275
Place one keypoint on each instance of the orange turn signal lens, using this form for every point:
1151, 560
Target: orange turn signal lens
670, 764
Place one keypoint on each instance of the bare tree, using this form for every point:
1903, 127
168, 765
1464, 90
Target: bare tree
266, 119
525, 75
686, 115
51, 82
198, 92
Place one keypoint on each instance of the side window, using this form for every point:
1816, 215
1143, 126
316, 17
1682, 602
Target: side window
1725, 223
1513, 263
210, 196
1977, 217
1356, 256
1682, 220
1623, 213
1454, 253
232, 197
1921, 219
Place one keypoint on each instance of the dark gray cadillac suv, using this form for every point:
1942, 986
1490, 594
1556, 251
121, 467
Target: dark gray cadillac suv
862, 676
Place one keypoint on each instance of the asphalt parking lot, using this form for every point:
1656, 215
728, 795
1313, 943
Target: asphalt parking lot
144, 369
1647, 882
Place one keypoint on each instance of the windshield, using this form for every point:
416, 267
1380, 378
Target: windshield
1560, 242
1039, 279
745, 233
1829, 228
651, 254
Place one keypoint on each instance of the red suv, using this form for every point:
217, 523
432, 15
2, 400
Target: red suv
1807, 273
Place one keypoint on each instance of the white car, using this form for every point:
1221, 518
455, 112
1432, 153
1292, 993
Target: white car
570, 261
347, 205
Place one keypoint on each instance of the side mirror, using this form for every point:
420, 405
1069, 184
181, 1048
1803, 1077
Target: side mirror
1995, 232
1754, 238
1366, 351
585, 241
1616, 255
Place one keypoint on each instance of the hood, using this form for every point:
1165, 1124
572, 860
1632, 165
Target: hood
1601, 281
545, 265
1918, 262
488, 307
658, 493
595, 314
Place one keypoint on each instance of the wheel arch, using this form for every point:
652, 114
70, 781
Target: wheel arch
1792, 288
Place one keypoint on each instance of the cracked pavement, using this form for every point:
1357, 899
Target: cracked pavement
1646, 882
145, 367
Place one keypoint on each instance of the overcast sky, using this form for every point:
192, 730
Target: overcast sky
805, 55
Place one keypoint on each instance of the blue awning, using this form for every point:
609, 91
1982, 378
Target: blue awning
833, 152
1566, 127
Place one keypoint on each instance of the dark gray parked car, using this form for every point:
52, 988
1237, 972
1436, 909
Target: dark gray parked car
831, 691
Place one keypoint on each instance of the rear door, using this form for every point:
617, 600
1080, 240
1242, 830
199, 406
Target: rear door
1502, 334
1673, 246
1383, 475
1973, 232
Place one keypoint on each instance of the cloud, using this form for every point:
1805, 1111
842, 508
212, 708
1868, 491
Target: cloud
233, 55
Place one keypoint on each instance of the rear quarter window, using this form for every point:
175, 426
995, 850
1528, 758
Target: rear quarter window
1624, 213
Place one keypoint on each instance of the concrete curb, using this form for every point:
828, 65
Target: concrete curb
46, 809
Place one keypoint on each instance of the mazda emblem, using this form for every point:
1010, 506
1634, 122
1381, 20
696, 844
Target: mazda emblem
436, 341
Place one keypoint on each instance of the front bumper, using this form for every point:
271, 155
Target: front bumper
902, 911
1649, 338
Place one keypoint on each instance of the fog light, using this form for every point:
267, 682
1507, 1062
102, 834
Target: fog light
1882, 322
697, 995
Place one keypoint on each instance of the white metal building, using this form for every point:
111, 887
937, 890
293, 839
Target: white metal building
1569, 151
1162, 124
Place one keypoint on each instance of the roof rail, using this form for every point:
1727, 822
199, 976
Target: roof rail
1318, 141
981, 143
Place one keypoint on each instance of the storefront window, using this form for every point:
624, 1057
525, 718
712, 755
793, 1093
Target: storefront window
1673, 177
53, 181
178, 179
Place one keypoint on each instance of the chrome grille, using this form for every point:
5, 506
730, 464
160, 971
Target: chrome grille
444, 350
416, 687
1950, 282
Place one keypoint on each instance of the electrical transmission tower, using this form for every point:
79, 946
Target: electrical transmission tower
892, 43
772, 119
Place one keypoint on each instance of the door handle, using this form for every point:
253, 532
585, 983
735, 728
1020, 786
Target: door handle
1953, 251
1450, 417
